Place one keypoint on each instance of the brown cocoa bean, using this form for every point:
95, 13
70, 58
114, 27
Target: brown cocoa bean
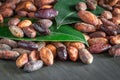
88, 17
98, 48
13, 21
106, 22
9, 42
116, 20
73, 53
21, 50
115, 39
8, 55
85, 56
53, 49
33, 56
26, 5
116, 11
92, 4
84, 27
99, 40
16, 31
46, 56
31, 14
22, 60
6, 12
46, 7
97, 34
24, 23
41, 45
115, 50
106, 14
5, 47
22, 13
29, 31
81, 6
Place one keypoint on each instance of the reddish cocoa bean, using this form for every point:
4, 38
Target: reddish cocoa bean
98, 48
97, 34
8, 55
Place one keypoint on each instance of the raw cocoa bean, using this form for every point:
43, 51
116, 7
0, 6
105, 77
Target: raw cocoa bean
97, 34
73, 53
110, 30
62, 53
24, 23
77, 45
31, 14
88, 17
116, 20
22, 60
113, 2
33, 66
46, 56
85, 56
26, 5
84, 27
29, 31
33, 56
8, 55
99, 48
28, 45
106, 22
45, 23
116, 12
46, 13
106, 14
9, 42
13, 21
21, 50
6, 12
4, 47
92, 4
41, 45
100, 40
115, 39
22, 13
16, 31
41, 29
115, 50
81, 6
52, 48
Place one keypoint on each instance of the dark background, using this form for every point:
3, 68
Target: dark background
103, 67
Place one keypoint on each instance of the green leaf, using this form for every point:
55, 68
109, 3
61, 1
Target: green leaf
68, 14
65, 33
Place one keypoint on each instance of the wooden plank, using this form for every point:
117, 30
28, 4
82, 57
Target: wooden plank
103, 68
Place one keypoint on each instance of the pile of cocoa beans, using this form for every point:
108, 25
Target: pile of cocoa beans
37, 9
102, 31
31, 56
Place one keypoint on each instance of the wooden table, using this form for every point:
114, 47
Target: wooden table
104, 67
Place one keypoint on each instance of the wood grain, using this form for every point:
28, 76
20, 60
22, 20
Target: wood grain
104, 67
